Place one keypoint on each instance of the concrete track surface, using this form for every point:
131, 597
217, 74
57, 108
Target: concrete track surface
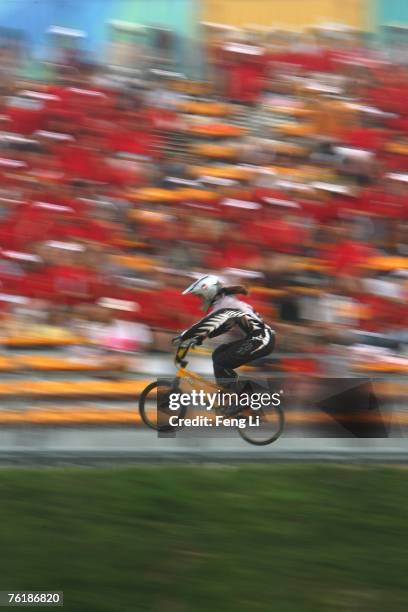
105, 446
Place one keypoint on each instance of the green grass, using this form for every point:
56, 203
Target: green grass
180, 539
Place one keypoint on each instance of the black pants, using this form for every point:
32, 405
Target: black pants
229, 356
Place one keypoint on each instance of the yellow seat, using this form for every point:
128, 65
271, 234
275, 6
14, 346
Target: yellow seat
51, 364
74, 388
289, 148
221, 130
209, 109
34, 341
291, 111
227, 172
266, 291
380, 366
296, 129
400, 148
153, 194
7, 389
386, 263
135, 262
215, 151
309, 264
7, 364
307, 290
70, 416
204, 195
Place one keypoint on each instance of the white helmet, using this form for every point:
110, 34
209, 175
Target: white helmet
206, 288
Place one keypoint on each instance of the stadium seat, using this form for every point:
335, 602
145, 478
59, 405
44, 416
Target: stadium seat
40, 341
217, 130
215, 151
135, 262
55, 364
210, 109
152, 194
236, 173
73, 388
386, 263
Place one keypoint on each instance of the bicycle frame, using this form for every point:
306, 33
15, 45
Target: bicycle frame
183, 374
187, 375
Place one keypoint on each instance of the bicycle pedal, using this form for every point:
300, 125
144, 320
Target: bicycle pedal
229, 412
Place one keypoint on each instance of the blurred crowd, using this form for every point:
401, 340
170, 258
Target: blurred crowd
285, 169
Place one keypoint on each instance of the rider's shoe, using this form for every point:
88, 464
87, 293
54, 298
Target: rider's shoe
239, 389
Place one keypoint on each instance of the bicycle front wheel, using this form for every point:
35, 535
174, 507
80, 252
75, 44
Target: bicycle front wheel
264, 426
154, 406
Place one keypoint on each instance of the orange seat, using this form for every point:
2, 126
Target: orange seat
73, 388
227, 172
215, 151
153, 194
136, 262
290, 110
386, 263
296, 129
203, 195
51, 364
210, 109
382, 366
19, 341
399, 148
7, 364
217, 130
267, 291
70, 416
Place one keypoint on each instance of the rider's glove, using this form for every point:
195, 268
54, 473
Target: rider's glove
180, 341
193, 342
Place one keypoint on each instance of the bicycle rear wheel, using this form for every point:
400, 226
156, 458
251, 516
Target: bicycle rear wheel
154, 406
267, 429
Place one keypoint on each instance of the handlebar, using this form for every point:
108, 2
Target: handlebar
180, 355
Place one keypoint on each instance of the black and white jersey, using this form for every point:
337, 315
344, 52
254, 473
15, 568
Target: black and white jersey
228, 311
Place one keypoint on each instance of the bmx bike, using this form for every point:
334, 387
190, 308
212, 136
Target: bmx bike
155, 412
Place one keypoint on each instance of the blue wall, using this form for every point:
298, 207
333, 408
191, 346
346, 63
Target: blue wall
35, 16
391, 11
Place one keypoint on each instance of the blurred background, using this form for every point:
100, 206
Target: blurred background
145, 143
